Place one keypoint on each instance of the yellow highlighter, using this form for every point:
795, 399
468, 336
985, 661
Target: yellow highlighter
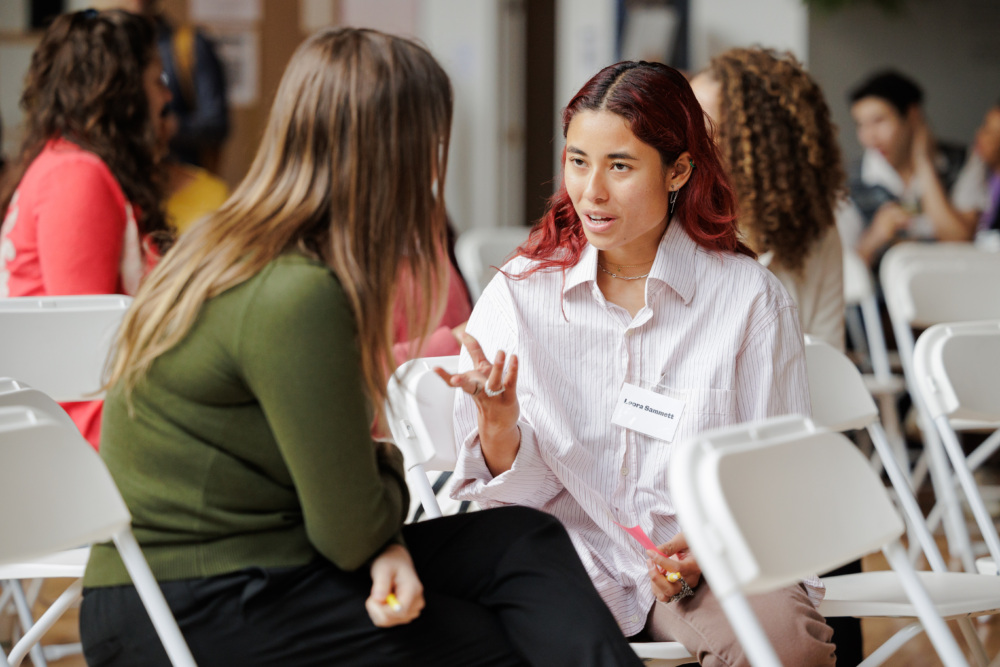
673, 577
393, 603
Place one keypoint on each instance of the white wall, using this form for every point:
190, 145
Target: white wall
717, 25
477, 43
951, 48
585, 42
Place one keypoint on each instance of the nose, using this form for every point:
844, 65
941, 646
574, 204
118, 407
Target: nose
596, 191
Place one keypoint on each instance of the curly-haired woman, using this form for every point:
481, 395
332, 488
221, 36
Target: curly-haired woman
773, 128
81, 196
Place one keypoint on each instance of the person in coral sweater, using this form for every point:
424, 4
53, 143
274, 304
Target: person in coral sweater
82, 198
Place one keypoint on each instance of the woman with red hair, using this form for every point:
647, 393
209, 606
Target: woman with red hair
633, 317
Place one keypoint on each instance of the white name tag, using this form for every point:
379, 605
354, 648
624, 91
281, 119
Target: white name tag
647, 412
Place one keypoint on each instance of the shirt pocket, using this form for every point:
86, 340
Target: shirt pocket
703, 409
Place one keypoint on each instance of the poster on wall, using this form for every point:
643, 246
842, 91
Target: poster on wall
226, 11
239, 51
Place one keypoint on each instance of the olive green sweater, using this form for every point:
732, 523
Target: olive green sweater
249, 442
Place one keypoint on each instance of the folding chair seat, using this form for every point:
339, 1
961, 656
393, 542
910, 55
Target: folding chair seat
840, 402
420, 408
763, 505
479, 249
42, 460
927, 284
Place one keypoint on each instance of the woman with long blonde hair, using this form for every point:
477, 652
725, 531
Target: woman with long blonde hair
237, 420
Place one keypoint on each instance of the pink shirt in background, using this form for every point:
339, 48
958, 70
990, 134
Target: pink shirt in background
441, 343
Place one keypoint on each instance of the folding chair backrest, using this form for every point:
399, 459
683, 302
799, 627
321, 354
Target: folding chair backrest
927, 284
479, 249
56, 489
739, 490
420, 409
957, 369
16, 393
840, 400
60, 344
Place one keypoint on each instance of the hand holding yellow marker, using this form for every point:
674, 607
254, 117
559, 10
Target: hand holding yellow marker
393, 603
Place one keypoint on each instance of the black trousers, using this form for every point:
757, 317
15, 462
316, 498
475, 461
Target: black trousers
502, 587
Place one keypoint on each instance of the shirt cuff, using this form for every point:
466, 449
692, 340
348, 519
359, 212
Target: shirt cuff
519, 485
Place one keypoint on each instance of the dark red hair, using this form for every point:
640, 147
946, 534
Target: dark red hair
657, 102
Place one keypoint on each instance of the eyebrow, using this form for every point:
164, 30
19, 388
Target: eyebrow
610, 156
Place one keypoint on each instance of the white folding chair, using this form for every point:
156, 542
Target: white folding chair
957, 372
67, 564
420, 407
763, 505
927, 284
867, 334
58, 345
479, 249
840, 402
45, 462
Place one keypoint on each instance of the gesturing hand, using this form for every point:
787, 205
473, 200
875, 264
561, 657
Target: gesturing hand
495, 394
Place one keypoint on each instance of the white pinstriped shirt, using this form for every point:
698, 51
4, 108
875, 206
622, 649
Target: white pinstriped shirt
717, 332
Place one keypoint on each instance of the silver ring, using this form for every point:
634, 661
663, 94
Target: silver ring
685, 592
493, 394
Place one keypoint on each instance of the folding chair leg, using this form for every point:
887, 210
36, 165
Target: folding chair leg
972, 496
27, 622
153, 600
893, 644
34, 634
935, 627
973, 642
944, 490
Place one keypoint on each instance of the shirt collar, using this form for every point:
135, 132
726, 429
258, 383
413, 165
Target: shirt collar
876, 170
674, 264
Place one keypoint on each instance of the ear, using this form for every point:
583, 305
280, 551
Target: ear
680, 171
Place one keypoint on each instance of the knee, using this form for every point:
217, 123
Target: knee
804, 640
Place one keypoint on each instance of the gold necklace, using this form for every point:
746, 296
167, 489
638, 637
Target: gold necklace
620, 267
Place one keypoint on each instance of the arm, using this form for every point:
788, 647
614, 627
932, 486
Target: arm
81, 228
500, 459
301, 361
828, 313
950, 224
770, 372
889, 220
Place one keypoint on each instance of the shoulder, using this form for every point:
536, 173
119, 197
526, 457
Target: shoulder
730, 279
292, 282
70, 168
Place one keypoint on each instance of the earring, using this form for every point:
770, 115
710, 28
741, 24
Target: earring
673, 202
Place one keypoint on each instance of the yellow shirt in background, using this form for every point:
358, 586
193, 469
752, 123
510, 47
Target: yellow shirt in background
202, 193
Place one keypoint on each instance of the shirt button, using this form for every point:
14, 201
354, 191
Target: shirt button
634, 618
624, 471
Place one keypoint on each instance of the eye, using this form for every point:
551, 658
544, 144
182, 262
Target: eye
620, 166
577, 162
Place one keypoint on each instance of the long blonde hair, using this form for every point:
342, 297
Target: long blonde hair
350, 171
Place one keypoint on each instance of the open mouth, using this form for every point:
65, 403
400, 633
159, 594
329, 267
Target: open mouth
597, 223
